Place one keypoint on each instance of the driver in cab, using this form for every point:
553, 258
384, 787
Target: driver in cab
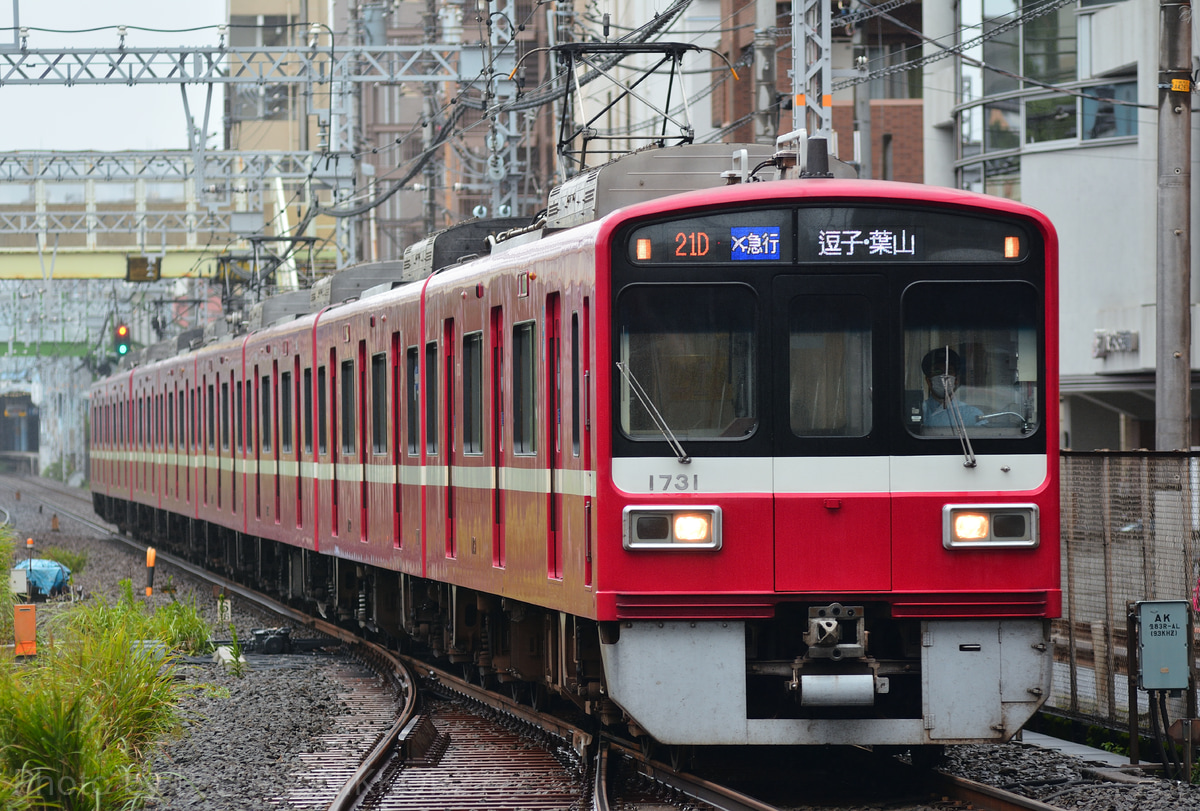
940, 367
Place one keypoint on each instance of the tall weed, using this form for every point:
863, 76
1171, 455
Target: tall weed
130, 687
76, 722
181, 626
7, 598
51, 742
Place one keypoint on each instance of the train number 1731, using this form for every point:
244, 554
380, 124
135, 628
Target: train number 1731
679, 481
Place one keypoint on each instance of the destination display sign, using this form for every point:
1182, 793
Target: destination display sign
829, 235
881, 235
737, 236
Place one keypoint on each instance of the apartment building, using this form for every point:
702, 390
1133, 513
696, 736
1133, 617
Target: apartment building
1060, 112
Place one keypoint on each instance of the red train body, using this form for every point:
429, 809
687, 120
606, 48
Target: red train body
681, 465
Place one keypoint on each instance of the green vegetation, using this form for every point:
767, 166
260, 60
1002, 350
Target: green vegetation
237, 665
75, 561
179, 625
60, 469
7, 598
77, 722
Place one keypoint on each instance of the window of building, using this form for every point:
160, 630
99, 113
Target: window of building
1049, 45
903, 84
1103, 117
1003, 126
258, 30
1000, 177
1050, 119
259, 103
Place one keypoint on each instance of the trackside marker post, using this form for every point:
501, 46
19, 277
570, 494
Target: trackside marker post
149, 570
25, 630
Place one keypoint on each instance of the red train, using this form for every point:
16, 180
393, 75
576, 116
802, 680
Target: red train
763, 463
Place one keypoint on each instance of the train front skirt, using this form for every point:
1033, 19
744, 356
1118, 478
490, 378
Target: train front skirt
686, 683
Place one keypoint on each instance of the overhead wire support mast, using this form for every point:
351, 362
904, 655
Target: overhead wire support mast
811, 68
573, 55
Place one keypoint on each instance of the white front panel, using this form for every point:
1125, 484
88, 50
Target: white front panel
1004, 473
664, 474
830, 474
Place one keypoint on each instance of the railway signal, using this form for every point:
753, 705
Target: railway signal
121, 339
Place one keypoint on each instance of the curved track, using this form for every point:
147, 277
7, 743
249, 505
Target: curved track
407, 672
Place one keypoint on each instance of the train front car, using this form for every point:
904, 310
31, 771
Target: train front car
832, 411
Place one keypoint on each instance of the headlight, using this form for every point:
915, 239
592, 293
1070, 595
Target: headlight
966, 526
672, 528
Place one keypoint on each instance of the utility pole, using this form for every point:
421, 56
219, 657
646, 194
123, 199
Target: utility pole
862, 103
1173, 377
764, 72
433, 172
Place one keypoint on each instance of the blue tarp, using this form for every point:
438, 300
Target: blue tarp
47, 576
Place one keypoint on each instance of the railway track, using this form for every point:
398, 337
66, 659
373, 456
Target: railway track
388, 774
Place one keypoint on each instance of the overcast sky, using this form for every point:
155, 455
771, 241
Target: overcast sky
106, 117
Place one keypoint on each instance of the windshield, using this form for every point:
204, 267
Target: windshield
970, 352
692, 349
829, 366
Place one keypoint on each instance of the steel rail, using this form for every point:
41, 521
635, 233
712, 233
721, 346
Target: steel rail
718, 796
600, 783
981, 796
961, 789
579, 738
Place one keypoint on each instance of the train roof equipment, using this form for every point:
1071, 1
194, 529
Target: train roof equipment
450, 246
352, 282
281, 307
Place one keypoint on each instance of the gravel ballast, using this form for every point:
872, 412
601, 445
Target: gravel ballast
240, 740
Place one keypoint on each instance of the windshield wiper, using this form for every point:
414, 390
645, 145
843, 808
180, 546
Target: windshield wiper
659, 422
956, 419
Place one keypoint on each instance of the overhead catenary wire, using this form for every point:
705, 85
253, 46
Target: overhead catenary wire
951, 50
1018, 76
552, 90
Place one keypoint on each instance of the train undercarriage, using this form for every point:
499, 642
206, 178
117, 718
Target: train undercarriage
828, 673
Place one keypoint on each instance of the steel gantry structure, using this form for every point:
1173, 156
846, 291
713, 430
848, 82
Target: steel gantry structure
225, 183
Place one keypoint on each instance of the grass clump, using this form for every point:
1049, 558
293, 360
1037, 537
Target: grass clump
53, 749
7, 598
77, 722
76, 562
179, 625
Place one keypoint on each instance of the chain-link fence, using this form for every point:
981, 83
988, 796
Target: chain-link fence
1130, 529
